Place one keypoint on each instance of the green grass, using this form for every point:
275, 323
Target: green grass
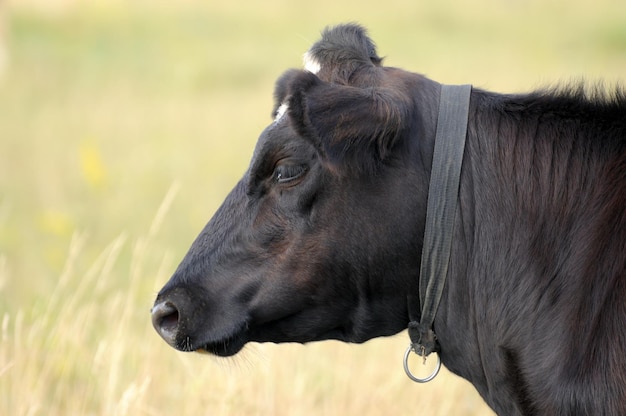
122, 127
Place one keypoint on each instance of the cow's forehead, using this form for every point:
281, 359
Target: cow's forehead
273, 139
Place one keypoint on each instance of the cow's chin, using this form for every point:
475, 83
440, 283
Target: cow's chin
219, 345
226, 348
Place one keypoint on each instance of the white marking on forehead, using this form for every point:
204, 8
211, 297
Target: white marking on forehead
311, 64
280, 112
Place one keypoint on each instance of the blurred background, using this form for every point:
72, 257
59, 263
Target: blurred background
123, 124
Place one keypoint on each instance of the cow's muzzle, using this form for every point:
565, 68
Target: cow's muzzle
188, 320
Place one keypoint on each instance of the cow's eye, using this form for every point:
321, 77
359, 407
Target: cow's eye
287, 173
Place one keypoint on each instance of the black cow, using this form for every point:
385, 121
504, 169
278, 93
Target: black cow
321, 238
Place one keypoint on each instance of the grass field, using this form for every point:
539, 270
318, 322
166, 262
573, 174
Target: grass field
123, 124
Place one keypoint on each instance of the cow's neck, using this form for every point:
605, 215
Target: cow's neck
457, 316
468, 314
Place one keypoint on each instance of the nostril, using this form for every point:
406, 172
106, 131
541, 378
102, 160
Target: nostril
169, 322
165, 320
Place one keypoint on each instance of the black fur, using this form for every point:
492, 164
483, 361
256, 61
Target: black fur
343, 52
322, 237
331, 116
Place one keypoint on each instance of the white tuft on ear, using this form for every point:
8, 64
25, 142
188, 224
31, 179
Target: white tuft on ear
311, 64
280, 112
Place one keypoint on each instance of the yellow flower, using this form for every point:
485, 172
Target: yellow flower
55, 223
91, 165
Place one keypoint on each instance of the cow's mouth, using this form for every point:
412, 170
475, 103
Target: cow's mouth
224, 348
227, 346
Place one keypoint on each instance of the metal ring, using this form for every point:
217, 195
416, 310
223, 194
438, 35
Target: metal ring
417, 379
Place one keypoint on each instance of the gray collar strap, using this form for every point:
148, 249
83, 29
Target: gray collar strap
440, 215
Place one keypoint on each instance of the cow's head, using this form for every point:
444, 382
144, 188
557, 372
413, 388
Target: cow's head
321, 238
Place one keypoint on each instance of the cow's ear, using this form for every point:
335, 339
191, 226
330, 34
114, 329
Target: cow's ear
281, 88
345, 122
342, 51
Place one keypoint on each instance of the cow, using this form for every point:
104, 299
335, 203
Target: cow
321, 238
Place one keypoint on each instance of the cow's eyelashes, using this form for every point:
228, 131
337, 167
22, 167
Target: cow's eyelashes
286, 172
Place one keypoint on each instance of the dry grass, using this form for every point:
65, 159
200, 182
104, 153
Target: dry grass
122, 127
88, 348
